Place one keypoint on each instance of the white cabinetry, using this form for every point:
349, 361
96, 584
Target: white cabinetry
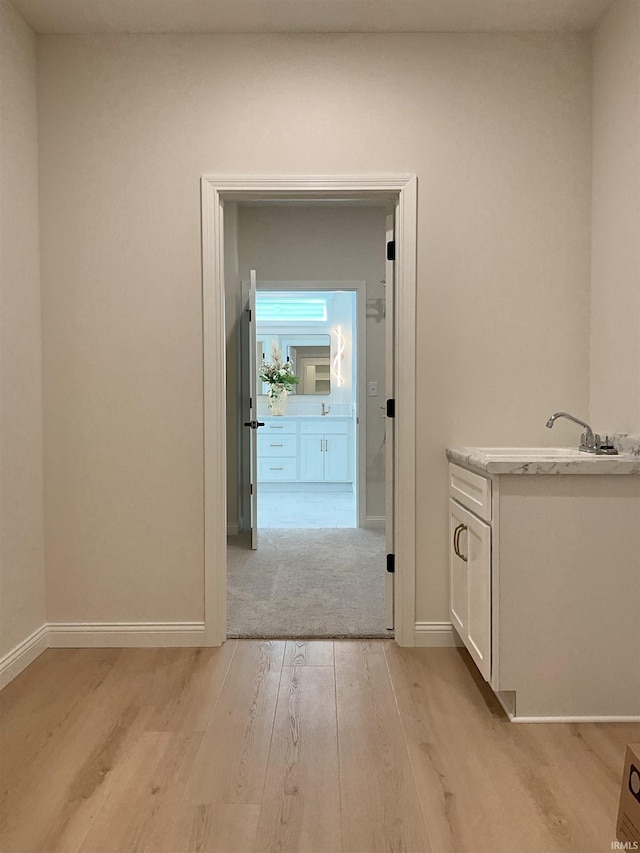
278, 451
545, 592
299, 449
324, 452
470, 578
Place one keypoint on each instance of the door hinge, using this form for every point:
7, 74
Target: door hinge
391, 408
251, 402
251, 488
249, 310
391, 563
391, 250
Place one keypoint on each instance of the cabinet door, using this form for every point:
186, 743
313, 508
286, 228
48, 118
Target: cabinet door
457, 572
336, 458
312, 457
471, 584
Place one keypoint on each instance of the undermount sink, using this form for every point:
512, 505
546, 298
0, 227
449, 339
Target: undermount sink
532, 452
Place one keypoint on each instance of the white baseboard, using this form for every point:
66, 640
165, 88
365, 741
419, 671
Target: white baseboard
574, 719
232, 529
434, 635
375, 522
92, 635
22, 655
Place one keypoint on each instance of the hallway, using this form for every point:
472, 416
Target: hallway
309, 582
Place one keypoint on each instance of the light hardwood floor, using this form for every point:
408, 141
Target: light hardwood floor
292, 746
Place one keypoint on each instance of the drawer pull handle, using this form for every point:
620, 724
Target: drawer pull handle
276, 469
276, 445
456, 541
274, 427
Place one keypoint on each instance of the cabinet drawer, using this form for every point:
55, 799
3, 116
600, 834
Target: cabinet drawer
278, 426
277, 445
471, 490
277, 469
324, 427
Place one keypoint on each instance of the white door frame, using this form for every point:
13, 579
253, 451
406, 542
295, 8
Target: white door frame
399, 189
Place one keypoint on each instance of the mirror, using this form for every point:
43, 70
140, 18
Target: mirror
313, 366
310, 357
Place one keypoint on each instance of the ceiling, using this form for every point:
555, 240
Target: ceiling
305, 16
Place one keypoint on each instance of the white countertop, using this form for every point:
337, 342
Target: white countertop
540, 460
307, 417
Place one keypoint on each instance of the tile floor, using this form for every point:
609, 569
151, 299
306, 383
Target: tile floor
306, 509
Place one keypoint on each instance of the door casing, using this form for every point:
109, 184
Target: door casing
400, 190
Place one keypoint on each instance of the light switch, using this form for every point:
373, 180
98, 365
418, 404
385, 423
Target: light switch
373, 389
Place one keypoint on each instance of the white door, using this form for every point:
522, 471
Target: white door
336, 458
470, 579
312, 457
389, 500
458, 588
253, 422
478, 552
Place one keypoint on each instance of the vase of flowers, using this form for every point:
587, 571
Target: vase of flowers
280, 378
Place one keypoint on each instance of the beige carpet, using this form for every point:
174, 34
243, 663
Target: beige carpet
310, 582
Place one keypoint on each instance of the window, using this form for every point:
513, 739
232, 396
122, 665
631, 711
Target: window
276, 308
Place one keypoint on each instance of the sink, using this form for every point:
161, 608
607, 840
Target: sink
532, 452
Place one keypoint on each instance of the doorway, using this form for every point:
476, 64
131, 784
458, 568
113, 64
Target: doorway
401, 193
302, 566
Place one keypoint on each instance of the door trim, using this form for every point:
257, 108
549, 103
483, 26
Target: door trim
402, 191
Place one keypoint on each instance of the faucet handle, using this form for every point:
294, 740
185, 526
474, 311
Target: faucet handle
591, 443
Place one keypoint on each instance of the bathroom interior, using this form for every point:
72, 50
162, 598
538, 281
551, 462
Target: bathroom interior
307, 457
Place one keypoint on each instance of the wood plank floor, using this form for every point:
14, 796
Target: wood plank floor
293, 746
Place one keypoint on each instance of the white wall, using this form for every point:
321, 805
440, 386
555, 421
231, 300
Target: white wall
497, 129
22, 590
615, 295
328, 243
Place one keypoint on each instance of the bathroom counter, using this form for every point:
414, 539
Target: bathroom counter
331, 417
541, 460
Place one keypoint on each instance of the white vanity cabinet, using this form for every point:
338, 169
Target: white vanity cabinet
301, 449
324, 452
544, 562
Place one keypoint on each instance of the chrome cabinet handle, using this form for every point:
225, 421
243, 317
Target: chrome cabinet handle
276, 469
456, 541
276, 445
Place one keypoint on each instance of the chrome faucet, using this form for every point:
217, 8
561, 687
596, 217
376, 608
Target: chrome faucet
325, 409
590, 442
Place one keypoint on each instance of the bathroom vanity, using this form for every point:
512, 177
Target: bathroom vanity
545, 578
306, 449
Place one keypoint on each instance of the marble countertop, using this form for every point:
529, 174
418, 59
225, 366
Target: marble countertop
541, 460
